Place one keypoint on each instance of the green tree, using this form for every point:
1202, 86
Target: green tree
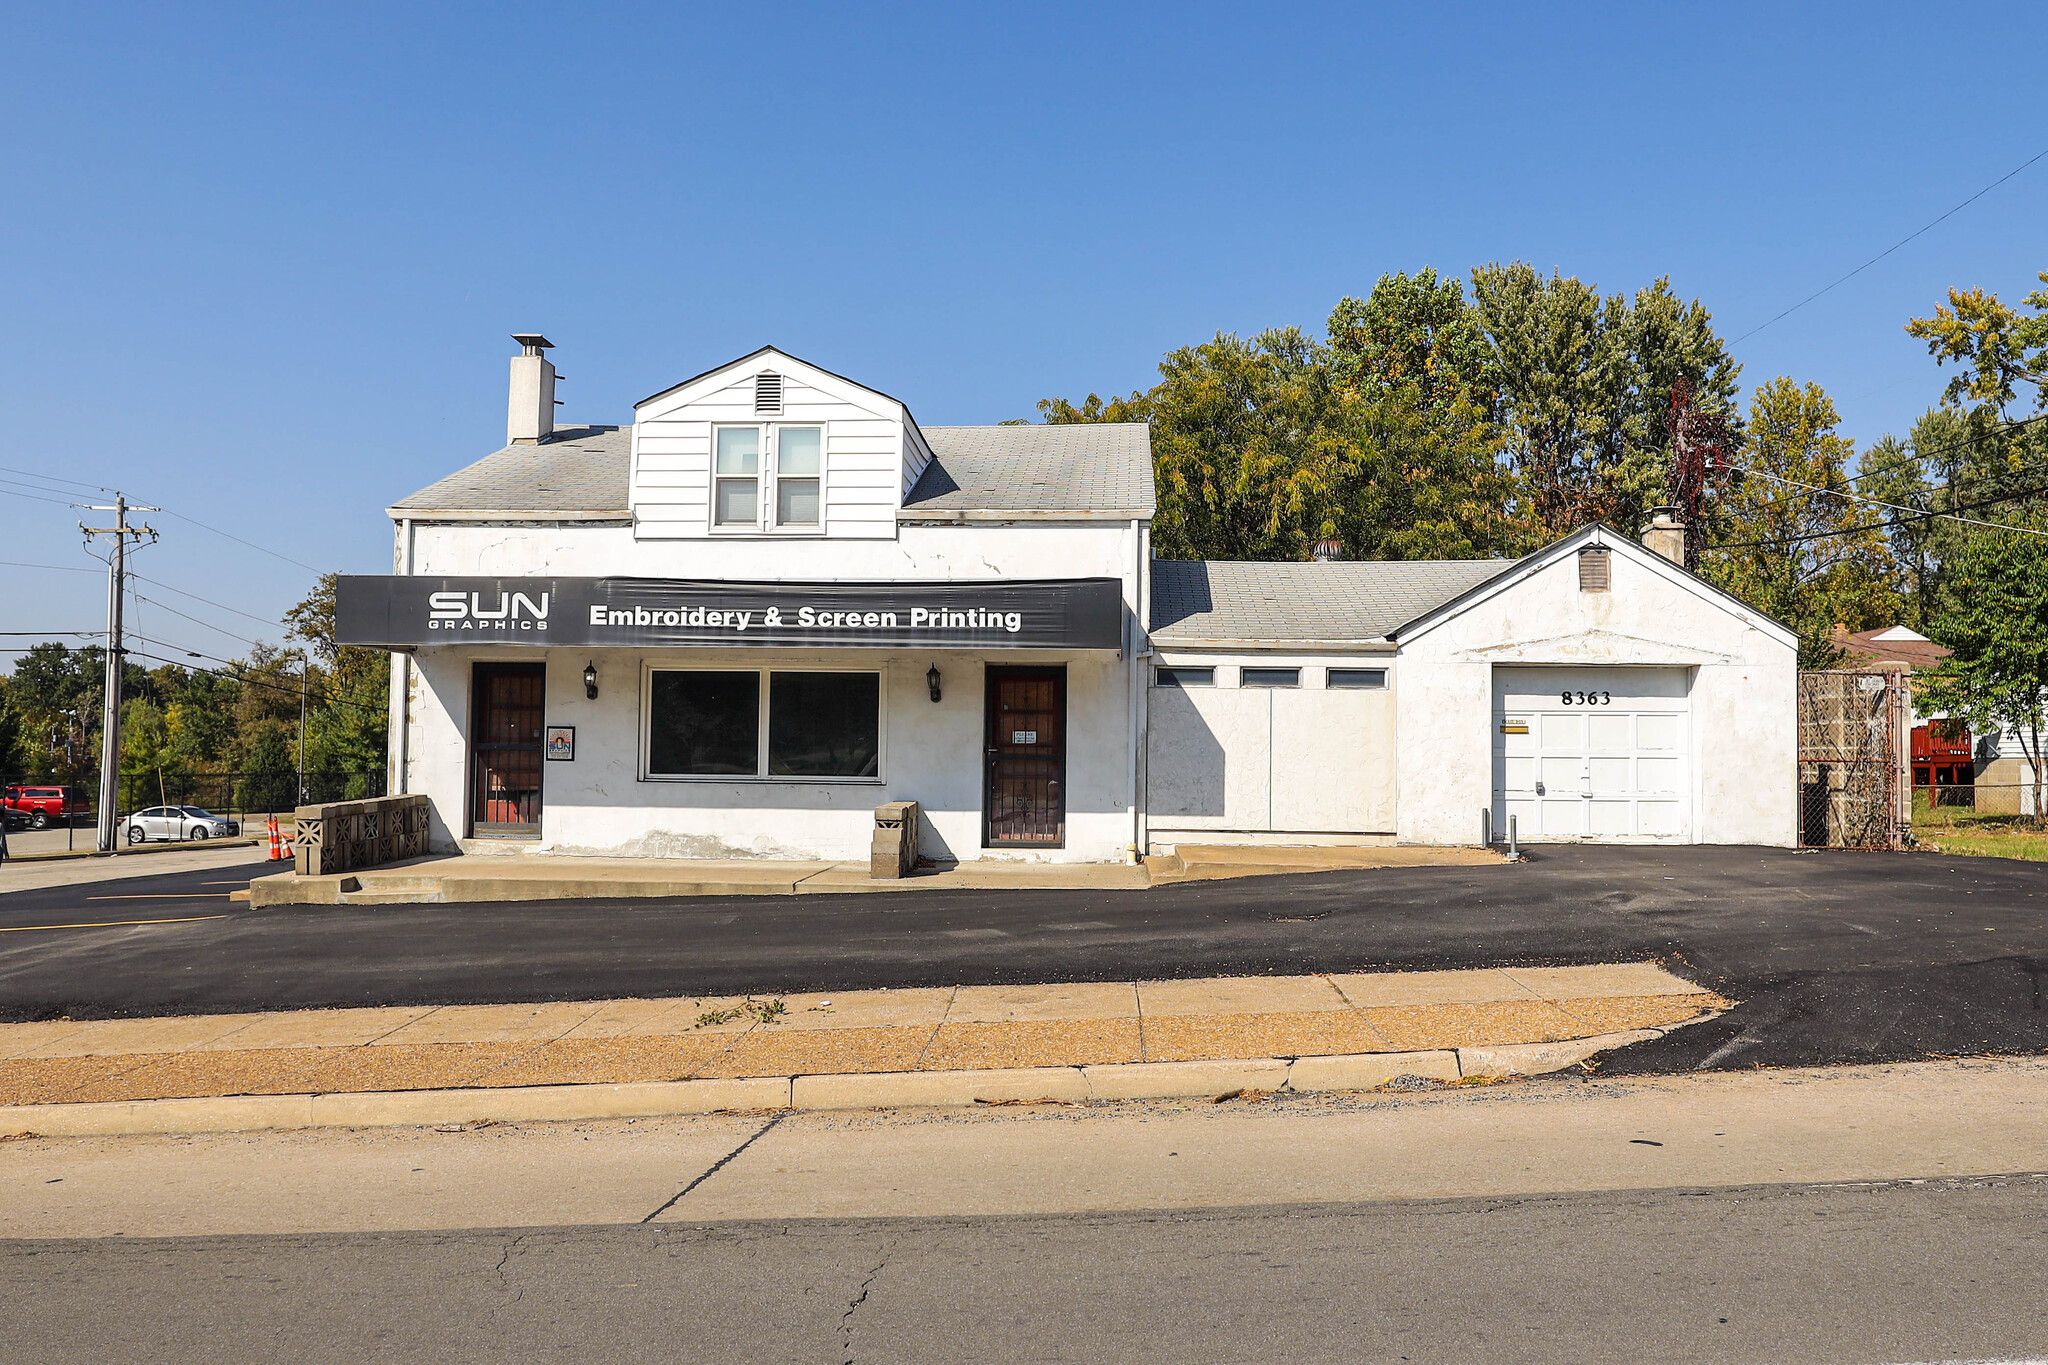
270, 780
1422, 478
1790, 549
1995, 620
347, 731
1585, 389
1236, 427
1998, 348
13, 735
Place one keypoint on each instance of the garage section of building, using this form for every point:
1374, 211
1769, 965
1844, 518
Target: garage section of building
1592, 753
1595, 691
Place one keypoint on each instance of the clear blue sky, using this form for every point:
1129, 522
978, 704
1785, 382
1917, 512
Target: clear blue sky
260, 262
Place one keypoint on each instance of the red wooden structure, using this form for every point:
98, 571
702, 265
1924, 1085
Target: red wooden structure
1942, 757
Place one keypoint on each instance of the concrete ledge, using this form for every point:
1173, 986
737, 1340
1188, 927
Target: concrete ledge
1533, 1059
1179, 1080
231, 1114
374, 1109
543, 1102
912, 1089
884, 1090
1370, 1070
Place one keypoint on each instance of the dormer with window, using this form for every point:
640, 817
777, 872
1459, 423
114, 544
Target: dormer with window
770, 446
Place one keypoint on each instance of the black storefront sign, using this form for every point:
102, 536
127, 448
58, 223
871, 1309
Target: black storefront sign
404, 612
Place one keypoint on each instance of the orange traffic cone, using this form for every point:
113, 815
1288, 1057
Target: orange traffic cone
277, 848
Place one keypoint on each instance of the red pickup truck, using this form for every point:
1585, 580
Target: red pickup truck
44, 806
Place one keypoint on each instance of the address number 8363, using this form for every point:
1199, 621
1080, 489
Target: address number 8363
1587, 698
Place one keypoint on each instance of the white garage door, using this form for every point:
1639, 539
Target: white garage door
1592, 753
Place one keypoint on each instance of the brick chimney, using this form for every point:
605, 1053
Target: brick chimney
1666, 534
530, 416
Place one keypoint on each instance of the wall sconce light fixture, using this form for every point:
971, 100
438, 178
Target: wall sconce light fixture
590, 681
931, 680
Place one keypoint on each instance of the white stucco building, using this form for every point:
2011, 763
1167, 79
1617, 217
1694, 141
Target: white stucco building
774, 602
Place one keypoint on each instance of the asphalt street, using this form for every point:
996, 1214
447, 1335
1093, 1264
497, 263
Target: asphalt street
1835, 957
1876, 1272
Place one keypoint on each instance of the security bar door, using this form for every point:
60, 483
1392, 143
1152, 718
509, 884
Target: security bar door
1025, 752
505, 750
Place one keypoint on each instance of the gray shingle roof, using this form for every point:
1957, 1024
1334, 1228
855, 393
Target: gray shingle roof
1071, 467
1105, 466
579, 469
1340, 600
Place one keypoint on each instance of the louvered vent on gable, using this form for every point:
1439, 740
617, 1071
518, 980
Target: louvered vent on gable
1595, 571
768, 395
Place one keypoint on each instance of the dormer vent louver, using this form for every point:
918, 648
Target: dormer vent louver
768, 395
1595, 571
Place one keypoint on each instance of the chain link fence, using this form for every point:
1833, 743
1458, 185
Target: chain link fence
1855, 773
1963, 804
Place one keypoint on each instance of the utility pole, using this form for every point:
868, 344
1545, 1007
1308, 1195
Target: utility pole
304, 796
110, 720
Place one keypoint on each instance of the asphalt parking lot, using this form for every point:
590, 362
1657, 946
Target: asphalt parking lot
1835, 957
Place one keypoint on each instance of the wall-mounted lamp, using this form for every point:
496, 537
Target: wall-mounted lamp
931, 680
590, 681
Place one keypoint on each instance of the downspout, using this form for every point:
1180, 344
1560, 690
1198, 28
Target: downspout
398, 783
1141, 587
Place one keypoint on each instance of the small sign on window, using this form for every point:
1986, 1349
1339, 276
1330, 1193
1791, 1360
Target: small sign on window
1023, 736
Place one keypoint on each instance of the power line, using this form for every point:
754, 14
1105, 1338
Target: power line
52, 478
36, 497
195, 620
46, 478
239, 541
1886, 524
59, 568
1913, 455
259, 620
1894, 506
1893, 247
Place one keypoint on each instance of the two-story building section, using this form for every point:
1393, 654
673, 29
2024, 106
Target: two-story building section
769, 605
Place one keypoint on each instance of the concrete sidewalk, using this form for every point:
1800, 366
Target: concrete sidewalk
860, 1049
472, 878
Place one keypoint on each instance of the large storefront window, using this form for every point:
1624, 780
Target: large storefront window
824, 724
795, 724
704, 724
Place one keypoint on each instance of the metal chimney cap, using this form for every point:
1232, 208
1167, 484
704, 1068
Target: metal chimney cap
533, 343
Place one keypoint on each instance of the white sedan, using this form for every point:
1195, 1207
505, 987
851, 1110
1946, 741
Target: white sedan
178, 822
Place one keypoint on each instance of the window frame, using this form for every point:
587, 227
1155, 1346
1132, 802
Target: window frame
760, 430
767, 477
1385, 683
1295, 669
765, 674
771, 503
1161, 670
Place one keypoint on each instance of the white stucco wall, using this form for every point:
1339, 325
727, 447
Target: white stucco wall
599, 804
1230, 760
932, 754
1743, 697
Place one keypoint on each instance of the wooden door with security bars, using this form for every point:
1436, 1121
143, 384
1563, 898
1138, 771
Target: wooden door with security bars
506, 720
1025, 752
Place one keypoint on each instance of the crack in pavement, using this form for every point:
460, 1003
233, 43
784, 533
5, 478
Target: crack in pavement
846, 1318
716, 1167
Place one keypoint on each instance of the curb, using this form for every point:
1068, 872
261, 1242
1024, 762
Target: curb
879, 1090
134, 850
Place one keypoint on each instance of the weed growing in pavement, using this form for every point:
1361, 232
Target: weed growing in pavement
761, 1011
